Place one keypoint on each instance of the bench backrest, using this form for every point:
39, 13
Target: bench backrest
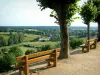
36, 57
91, 41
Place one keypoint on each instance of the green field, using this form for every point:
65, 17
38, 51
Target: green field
27, 41
29, 37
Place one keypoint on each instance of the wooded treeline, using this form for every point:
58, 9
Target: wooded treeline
14, 38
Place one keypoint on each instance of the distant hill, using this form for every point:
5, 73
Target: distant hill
46, 27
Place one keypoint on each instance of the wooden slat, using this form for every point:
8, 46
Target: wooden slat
92, 42
20, 64
40, 54
58, 49
36, 55
58, 54
39, 59
92, 39
20, 58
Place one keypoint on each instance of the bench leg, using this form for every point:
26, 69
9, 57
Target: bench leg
83, 49
49, 64
90, 46
26, 66
95, 45
55, 58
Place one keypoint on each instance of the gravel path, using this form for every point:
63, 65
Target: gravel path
77, 64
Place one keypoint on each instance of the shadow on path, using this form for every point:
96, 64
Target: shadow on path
76, 52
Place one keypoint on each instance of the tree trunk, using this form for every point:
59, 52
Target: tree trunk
64, 31
98, 36
88, 29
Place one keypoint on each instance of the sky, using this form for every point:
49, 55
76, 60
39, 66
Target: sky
28, 13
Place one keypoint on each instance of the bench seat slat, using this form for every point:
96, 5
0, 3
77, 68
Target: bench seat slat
91, 42
47, 56
39, 59
36, 54
20, 58
40, 54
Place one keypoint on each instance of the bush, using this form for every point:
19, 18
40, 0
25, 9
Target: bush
4, 50
28, 45
75, 42
57, 45
1, 53
30, 52
6, 61
45, 47
17, 51
3, 42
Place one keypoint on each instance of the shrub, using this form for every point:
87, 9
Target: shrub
75, 42
17, 51
30, 52
57, 45
45, 47
1, 53
4, 50
28, 45
38, 49
6, 61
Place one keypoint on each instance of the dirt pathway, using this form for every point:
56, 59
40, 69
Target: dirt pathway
77, 64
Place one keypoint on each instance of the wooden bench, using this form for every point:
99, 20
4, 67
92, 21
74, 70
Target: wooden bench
23, 62
92, 42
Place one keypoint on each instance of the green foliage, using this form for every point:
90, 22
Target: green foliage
45, 47
57, 45
75, 42
3, 42
72, 10
6, 61
21, 37
8, 57
88, 12
97, 4
30, 52
15, 38
17, 51
11, 40
4, 50
1, 53
53, 3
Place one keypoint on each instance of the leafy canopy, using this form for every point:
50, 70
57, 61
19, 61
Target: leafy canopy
97, 4
53, 3
72, 11
88, 12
